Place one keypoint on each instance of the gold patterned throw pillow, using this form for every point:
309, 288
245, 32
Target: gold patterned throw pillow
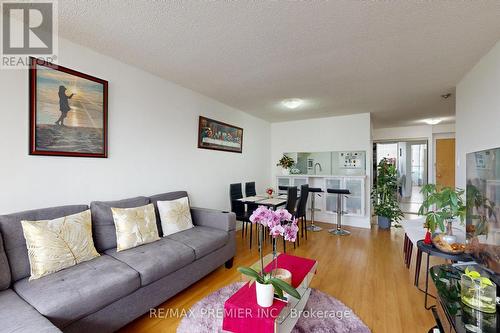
175, 216
60, 243
135, 226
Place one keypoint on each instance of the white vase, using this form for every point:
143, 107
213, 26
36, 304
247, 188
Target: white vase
285, 172
265, 294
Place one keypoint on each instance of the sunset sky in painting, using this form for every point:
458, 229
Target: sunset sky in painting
86, 105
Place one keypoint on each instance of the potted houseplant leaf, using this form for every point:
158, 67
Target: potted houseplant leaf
280, 223
441, 206
285, 162
384, 195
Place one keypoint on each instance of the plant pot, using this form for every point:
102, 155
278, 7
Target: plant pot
265, 294
285, 172
384, 222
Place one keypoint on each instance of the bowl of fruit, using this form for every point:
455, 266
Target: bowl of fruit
452, 248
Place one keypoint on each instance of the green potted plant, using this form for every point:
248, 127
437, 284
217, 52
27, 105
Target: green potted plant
441, 206
384, 195
286, 162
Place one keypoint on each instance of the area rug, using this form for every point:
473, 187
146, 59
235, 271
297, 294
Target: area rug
322, 314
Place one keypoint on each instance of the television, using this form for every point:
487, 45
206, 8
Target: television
483, 207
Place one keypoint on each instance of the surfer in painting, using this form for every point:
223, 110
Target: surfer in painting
63, 105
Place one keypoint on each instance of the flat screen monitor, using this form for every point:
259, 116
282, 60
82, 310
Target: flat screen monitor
483, 207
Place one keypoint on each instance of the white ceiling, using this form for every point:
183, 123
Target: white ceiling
391, 58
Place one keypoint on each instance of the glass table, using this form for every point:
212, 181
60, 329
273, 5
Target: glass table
450, 313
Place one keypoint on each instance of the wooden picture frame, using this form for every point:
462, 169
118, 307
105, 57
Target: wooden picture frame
61, 125
217, 135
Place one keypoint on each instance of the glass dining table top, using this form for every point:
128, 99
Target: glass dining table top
265, 200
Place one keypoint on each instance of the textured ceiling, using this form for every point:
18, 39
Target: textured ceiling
391, 58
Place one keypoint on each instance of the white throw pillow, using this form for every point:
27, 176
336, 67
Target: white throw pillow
175, 216
60, 243
135, 226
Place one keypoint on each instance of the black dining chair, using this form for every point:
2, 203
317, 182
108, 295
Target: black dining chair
238, 207
250, 192
300, 213
250, 189
291, 205
291, 199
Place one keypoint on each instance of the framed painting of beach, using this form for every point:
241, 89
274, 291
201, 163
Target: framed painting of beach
216, 135
68, 112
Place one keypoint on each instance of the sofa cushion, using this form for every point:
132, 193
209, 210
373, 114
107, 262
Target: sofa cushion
4, 268
14, 241
135, 226
165, 197
71, 294
103, 225
60, 243
18, 316
175, 215
155, 260
203, 240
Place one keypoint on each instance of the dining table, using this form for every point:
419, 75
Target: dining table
264, 200
273, 202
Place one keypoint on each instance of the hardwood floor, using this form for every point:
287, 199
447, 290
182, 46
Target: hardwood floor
364, 270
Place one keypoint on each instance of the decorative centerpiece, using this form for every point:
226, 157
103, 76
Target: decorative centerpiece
270, 192
280, 224
441, 207
384, 195
478, 292
286, 162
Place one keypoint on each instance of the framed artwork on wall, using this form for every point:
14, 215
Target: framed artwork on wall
68, 112
216, 135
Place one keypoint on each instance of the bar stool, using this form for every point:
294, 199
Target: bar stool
340, 199
314, 191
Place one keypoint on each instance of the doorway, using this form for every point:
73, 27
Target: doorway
411, 161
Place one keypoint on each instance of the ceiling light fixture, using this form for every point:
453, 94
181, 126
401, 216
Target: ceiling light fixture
434, 121
292, 103
446, 96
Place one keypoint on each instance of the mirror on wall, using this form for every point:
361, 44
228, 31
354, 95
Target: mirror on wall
329, 163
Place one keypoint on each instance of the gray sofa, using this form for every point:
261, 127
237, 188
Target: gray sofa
106, 293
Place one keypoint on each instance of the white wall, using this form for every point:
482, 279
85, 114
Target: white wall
478, 110
152, 143
351, 133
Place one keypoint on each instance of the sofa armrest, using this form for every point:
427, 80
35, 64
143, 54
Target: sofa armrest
213, 218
